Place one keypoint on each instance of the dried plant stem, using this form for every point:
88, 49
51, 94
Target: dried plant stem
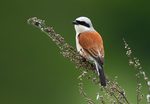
137, 78
112, 88
117, 89
81, 63
138, 87
135, 63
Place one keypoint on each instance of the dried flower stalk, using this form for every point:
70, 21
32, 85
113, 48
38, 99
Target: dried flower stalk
84, 65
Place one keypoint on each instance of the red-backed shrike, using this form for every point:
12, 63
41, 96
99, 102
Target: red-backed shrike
89, 43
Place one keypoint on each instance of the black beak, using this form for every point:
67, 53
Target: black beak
75, 22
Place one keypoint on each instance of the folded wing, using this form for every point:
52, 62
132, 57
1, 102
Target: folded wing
92, 43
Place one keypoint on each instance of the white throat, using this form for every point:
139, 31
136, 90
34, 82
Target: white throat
80, 29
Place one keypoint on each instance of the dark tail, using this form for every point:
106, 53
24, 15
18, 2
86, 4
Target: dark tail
101, 76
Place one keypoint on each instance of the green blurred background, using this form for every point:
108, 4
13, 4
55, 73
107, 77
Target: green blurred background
32, 70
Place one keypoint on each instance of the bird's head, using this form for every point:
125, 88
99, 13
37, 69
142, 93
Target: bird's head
83, 24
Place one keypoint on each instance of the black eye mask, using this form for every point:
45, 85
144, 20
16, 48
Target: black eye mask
83, 23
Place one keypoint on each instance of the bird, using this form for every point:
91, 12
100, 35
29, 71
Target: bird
89, 44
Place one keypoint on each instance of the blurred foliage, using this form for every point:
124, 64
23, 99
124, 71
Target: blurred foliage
32, 70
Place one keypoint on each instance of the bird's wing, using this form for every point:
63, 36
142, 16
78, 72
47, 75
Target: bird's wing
92, 43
